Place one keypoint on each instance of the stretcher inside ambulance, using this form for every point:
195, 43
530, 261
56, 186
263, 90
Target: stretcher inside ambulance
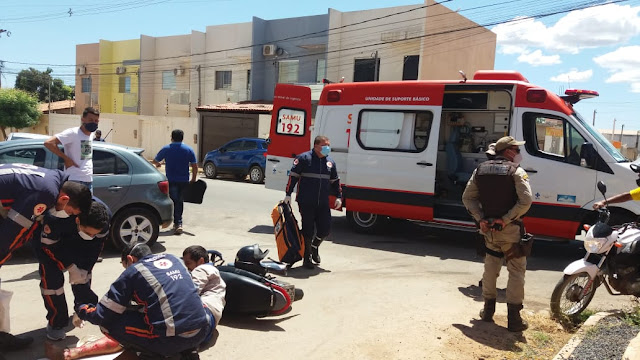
406, 149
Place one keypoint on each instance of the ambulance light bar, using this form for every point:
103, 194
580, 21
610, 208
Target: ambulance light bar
572, 96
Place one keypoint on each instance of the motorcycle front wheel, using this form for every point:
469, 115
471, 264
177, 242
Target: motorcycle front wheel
572, 294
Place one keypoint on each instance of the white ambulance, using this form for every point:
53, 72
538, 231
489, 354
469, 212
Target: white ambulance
407, 149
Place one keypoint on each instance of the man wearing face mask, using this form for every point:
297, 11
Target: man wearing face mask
316, 175
78, 149
69, 243
497, 196
26, 193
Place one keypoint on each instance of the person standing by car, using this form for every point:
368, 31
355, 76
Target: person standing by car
314, 172
178, 156
78, 150
98, 136
26, 192
497, 196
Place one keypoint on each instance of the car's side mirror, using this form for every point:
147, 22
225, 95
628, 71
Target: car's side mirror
588, 154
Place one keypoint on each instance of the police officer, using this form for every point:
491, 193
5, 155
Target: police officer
497, 196
69, 244
26, 192
169, 319
314, 172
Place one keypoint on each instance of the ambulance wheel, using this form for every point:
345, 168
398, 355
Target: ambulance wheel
365, 222
134, 225
210, 170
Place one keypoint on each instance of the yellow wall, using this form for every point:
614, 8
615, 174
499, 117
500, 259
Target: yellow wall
113, 54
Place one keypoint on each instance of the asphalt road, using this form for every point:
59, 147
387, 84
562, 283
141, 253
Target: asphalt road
403, 294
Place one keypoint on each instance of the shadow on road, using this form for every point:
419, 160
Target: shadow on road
491, 335
475, 292
252, 323
412, 238
262, 229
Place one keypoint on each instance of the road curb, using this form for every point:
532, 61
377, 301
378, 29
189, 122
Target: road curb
576, 339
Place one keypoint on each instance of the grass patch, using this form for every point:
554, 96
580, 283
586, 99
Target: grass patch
544, 338
632, 317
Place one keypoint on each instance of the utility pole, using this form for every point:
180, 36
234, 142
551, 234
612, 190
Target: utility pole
1, 68
594, 118
199, 86
375, 66
621, 133
49, 96
614, 129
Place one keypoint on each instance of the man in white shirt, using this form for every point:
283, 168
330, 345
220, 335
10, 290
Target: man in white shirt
78, 149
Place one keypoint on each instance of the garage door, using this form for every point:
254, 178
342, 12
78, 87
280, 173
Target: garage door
219, 128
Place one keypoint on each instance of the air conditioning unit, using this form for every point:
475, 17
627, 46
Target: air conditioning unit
269, 50
121, 70
81, 70
178, 71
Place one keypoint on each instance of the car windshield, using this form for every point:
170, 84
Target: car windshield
617, 156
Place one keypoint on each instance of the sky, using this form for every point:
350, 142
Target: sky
555, 44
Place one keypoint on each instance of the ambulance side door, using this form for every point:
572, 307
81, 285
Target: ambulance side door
392, 161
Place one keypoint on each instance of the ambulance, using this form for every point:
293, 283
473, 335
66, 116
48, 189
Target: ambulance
407, 149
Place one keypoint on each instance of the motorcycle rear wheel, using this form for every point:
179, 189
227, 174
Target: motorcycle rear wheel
570, 298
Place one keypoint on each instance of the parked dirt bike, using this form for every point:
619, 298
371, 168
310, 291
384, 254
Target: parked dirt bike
612, 260
251, 290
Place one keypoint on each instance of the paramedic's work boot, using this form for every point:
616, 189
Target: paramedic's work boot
515, 322
315, 255
9, 342
486, 314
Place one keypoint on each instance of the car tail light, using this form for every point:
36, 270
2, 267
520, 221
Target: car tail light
164, 187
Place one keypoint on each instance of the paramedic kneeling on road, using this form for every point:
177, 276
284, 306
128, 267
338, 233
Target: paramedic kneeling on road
314, 171
497, 196
168, 317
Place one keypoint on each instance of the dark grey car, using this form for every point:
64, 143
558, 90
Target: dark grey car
135, 191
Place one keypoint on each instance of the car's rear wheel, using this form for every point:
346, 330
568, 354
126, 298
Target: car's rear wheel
256, 175
134, 225
210, 170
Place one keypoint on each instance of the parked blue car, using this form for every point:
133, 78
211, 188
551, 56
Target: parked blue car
239, 157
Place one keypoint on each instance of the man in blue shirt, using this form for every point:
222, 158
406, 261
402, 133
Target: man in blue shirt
178, 157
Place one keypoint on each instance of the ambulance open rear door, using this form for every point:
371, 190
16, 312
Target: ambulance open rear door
290, 132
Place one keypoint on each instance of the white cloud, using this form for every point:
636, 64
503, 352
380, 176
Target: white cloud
605, 25
623, 64
536, 58
635, 87
573, 76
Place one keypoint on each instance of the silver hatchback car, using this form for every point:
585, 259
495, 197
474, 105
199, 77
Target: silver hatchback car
135, 191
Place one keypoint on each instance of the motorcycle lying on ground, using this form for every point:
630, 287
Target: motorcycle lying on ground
612, 260
251, 289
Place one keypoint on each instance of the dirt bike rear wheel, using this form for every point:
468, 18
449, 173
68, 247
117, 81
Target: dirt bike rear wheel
572, 295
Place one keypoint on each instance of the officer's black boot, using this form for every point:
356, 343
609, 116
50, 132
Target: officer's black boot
515, 322
486, 314
315, 255
306, 261
9, 342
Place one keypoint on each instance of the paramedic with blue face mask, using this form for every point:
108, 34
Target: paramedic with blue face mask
316, 176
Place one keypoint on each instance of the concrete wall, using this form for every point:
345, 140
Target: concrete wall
445, 50
224, 37
160, 54
87, 60
306, 50
362, 40
148, 132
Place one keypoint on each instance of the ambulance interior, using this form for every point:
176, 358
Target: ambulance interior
470, 122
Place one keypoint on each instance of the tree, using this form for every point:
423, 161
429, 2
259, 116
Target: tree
39, 83
18, 109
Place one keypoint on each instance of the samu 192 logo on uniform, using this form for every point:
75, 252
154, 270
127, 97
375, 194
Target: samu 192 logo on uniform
163, 264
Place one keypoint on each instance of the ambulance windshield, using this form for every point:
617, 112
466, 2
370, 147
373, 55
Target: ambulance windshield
600, 139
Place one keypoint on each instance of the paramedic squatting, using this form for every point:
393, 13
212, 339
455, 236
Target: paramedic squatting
315, 174
153, 307
26, 192
497, 196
